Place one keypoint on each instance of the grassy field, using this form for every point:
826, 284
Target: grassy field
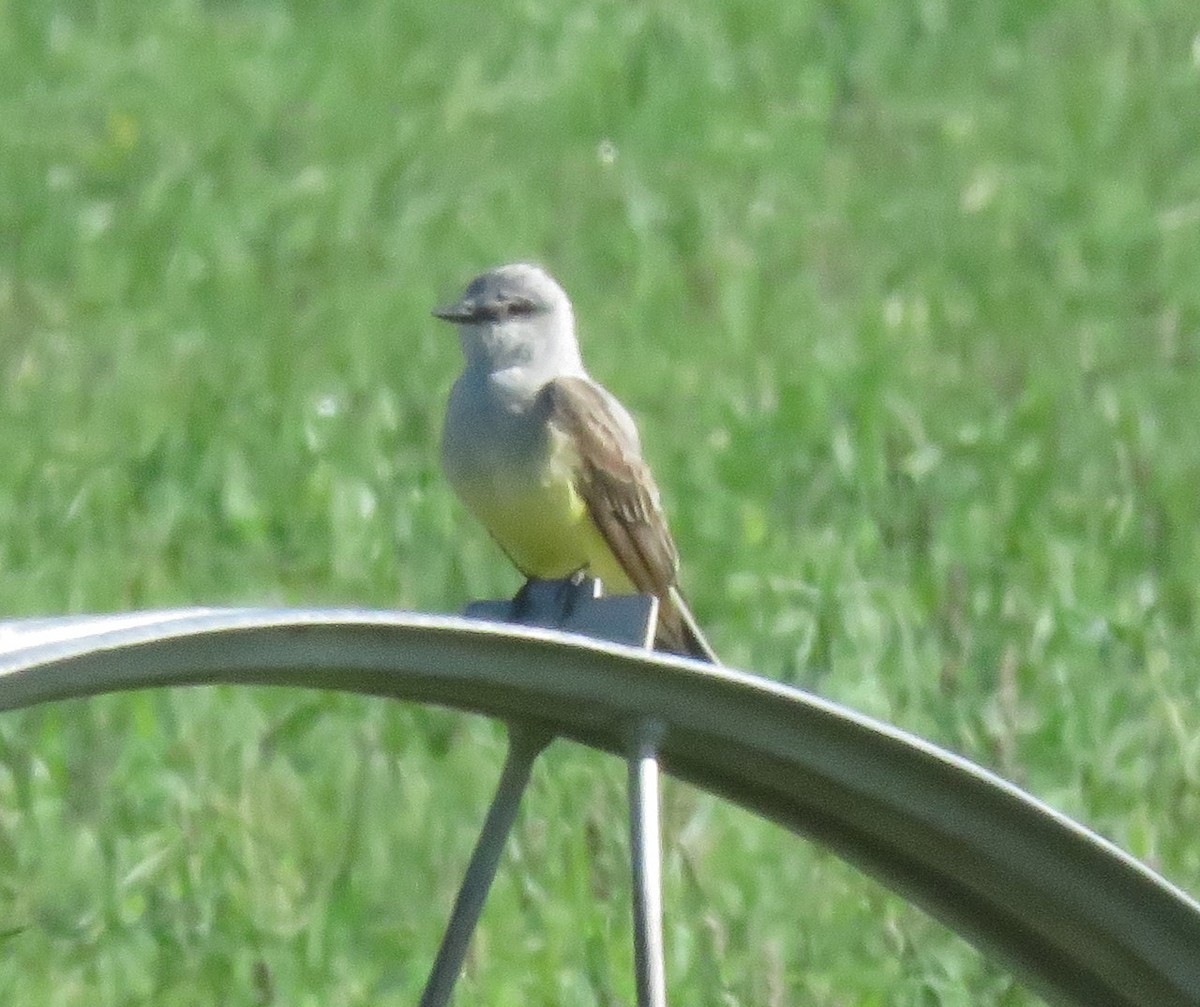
906, 299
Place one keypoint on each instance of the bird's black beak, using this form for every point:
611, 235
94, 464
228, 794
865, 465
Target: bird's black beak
465, 310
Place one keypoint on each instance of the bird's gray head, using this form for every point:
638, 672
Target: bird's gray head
516, 316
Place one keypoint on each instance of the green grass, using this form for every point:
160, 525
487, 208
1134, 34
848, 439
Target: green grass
907, 303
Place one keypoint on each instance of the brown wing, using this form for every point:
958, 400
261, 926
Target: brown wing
622, 499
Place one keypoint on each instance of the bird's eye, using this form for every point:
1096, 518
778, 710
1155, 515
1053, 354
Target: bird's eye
521, 306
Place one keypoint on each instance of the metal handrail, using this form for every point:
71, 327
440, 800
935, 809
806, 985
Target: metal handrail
1076, 918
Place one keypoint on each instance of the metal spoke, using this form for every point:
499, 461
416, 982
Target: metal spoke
645, 843
525, 743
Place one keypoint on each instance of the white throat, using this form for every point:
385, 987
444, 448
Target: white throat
522, 351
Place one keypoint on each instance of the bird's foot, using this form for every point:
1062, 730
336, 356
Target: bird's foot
523, 602
579, 586
554, 602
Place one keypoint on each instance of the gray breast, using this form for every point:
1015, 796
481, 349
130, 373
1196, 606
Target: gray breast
491, 438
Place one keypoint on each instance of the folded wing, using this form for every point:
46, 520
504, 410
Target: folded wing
623, 501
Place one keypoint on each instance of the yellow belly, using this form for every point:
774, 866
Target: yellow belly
547, 532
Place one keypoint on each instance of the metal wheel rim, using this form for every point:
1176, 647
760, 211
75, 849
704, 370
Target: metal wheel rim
1076, 918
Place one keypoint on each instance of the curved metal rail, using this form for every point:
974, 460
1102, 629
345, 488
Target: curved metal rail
1072, 915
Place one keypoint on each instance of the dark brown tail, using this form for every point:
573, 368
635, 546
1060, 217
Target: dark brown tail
677, 629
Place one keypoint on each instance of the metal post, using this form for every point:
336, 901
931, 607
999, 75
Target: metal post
524, 746
646, 852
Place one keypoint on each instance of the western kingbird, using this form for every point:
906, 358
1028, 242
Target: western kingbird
547, 459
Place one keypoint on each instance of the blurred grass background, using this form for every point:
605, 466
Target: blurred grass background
907, 300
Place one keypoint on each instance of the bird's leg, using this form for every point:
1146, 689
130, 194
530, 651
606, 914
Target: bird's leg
522, 601
576, 586
554, 602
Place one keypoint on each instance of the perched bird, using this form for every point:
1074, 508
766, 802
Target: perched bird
547, 459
